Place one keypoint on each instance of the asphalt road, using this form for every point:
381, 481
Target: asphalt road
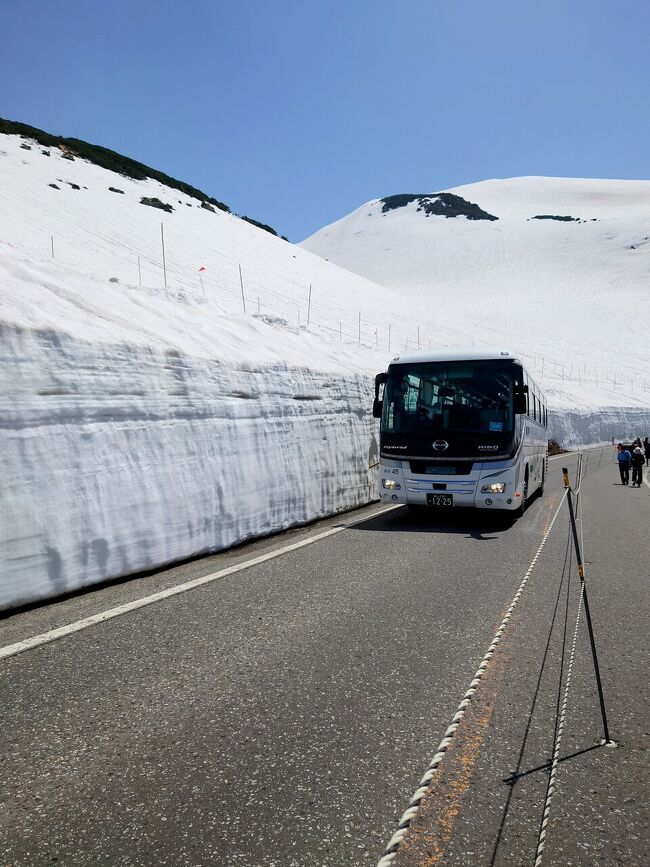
283, 715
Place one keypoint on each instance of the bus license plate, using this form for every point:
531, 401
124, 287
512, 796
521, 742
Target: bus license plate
440, 499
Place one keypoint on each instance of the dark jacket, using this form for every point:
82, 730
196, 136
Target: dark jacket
638, 459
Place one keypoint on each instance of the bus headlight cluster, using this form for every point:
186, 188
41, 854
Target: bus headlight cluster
494, 488
390, 484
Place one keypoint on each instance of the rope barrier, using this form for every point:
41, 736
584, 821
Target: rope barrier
391, 850
582, 602
550, 791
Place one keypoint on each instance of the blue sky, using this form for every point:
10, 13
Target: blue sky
295, 112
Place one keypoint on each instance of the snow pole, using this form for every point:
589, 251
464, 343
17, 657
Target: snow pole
241, 283
162, 240
139, 273
52, 244
309, 306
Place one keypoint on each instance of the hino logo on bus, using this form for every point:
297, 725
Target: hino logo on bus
441, 445
488, 448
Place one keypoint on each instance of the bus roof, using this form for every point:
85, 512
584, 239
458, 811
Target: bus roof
472, 354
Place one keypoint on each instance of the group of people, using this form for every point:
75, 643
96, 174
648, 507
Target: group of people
633, 458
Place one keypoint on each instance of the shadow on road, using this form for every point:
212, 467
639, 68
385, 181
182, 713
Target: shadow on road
474, 523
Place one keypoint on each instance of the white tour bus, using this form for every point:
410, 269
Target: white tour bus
460, 429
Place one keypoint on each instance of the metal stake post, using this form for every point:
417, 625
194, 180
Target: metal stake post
583, 588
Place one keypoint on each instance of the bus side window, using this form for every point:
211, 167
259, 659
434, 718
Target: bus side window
528, 395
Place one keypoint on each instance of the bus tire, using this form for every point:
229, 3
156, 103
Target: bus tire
543, 482
524, 496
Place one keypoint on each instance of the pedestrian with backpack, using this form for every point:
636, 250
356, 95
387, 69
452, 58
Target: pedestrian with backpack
638, 460
624, 459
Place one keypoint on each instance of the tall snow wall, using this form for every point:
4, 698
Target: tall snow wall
118, 458
575, 428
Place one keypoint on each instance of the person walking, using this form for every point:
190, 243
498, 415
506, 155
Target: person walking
646, 448
638, 460
624, 459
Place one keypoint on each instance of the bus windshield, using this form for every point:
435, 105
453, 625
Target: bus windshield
460, 396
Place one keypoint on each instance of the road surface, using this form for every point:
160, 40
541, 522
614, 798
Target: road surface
283, 714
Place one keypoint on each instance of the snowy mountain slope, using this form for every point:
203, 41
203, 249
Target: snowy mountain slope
142, 423
573, 296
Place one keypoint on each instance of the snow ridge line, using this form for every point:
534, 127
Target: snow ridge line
390, 853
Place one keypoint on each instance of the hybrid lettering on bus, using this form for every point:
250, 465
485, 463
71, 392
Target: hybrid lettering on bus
460, 429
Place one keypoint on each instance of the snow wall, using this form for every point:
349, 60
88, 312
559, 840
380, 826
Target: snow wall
119, 458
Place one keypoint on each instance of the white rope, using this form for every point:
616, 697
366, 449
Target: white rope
411, 811
556, 748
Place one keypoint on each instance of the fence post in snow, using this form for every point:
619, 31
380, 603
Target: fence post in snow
243, 300
52, 244
258, 305
340, 331
419, 347
309, 306
139, 274
162, 240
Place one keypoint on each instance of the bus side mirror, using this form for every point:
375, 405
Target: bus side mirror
377, 405
520, 402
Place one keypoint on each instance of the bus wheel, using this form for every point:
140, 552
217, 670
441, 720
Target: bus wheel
524, 495
543, 482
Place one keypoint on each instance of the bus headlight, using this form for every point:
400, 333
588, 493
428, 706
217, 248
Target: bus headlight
494, 488
390, 485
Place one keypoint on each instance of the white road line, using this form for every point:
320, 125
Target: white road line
93, 620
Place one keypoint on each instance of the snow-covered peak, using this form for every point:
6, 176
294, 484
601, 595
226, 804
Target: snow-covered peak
561, 276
